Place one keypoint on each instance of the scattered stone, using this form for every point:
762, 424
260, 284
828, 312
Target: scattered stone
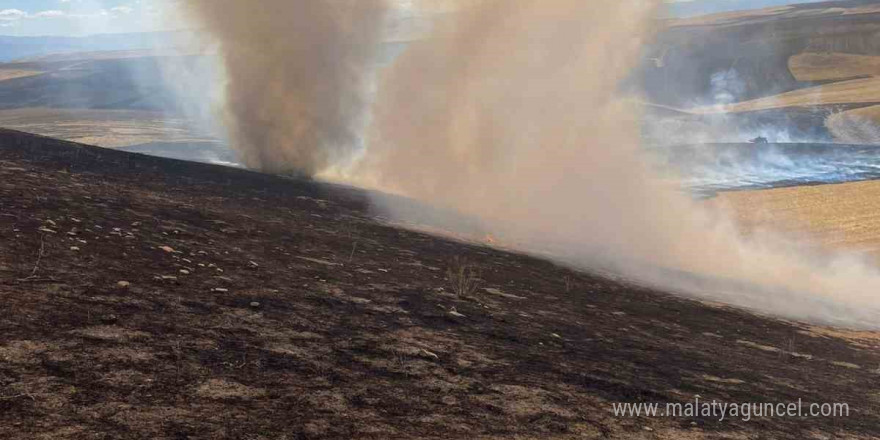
184, 272
555, 335
51, 223
315, 260
123, 284
648, 428
428, 354
168, 249
499, 292
74, 248
219, 290
357, 300
253, 265
46, 230
384, 270
255, 305
455, 313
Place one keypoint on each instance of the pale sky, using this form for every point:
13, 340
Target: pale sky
85, 17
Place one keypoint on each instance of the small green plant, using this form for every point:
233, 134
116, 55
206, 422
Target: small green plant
463, 277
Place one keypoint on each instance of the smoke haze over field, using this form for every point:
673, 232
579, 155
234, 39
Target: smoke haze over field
510, 113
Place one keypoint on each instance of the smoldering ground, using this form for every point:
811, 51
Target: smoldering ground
509, 111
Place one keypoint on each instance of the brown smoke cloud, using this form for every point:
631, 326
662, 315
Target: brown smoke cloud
513, 114
298, 76
510, 112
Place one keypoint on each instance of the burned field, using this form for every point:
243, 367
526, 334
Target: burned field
151, 298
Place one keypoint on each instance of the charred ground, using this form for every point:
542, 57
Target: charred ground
260, 307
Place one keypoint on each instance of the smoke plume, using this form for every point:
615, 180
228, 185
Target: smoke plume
513, 115
510, 112
298, 76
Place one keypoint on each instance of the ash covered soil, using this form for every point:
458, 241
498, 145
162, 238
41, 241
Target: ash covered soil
259, 307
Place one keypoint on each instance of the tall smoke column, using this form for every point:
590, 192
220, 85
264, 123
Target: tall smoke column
298, 76
511, 113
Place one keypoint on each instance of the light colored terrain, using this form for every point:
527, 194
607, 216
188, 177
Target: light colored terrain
857, 91
104, 128
97, 111
773, 13
835, 216
811, 66
13, 73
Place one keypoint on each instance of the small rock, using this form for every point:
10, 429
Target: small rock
428, 354
184, 272
109, 319
219, 290
46, 230
255, 305
555, 336
168, 249
74, 248
123, 284
455, 313
648, 428
51, 222
253, 265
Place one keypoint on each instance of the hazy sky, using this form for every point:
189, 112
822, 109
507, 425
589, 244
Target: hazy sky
84, 17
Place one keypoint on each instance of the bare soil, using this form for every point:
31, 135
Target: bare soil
261, 307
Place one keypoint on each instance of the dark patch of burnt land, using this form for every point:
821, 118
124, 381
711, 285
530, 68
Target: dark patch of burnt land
148, 298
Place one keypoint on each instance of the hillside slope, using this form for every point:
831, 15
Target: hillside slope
151, 298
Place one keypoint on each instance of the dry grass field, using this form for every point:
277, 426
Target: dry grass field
834, 216
812, 66
858, 91
104, 128
13, 73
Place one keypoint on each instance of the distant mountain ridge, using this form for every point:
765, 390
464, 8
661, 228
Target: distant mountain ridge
15, 48
705, 7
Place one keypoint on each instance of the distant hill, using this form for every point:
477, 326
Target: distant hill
15, 48
704, 7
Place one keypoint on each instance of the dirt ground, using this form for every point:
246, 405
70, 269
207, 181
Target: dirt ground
146, 298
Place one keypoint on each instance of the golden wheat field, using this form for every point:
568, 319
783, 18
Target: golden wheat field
835, 216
